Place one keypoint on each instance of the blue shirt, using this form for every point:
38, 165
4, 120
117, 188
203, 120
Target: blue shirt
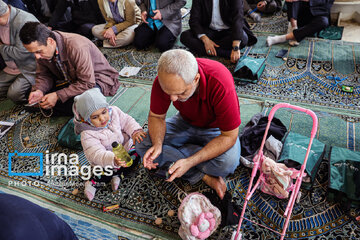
116, 15
152, 22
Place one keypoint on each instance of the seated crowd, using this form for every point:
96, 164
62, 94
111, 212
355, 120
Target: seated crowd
56, 67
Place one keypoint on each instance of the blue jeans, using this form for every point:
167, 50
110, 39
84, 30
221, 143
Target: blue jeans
183, 140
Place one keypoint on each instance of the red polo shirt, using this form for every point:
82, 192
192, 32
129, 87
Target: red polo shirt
215, 105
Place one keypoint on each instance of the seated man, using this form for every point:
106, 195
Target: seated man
161, 24
67, 65
202, 139
263, 6
43, 10
307, 18
85, 14
218, 28
20, 65
122, 17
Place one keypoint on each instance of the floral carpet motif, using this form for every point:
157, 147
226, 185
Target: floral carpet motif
143, 197
312, 73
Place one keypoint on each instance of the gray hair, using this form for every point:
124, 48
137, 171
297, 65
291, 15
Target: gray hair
179, 62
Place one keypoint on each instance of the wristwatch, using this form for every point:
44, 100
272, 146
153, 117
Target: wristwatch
235, 48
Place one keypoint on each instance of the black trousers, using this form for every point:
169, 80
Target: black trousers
222, 38
308, 24
145, 36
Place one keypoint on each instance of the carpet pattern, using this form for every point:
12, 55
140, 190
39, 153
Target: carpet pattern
301, 79
143, 197
313, 73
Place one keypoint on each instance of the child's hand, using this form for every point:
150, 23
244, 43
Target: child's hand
138, 136
119, 162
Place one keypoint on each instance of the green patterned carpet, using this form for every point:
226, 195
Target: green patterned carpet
302, 78
143, 197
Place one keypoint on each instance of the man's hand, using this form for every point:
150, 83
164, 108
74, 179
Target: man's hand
108, 33
35, 96
144, 17
150, 155
235, 56
119, 162
180, 167
209, 45
49, 100
112, 41
261, 6
138, 136
157, 15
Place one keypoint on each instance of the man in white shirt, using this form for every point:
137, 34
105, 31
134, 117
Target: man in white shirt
218, 28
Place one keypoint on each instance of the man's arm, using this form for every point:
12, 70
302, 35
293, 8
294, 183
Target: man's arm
196, 17
214, 148
81, 57
157, 128
237, 13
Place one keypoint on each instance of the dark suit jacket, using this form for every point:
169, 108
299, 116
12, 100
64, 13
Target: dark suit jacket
320, 7
232, 14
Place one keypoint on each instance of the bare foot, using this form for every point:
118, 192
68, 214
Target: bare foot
216, 183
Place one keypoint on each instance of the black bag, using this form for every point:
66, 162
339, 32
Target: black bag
252, 136
249, 69
68, 138
344, 177
293, 154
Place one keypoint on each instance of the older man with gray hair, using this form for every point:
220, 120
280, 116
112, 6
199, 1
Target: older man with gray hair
18, 75
202, 139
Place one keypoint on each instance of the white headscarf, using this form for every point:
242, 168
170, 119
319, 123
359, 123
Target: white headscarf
120, 5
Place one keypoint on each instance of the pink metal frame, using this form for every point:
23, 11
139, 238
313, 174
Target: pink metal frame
258, 161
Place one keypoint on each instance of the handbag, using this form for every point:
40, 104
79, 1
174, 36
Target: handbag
68, 138
249, 69
344, 175
293, 154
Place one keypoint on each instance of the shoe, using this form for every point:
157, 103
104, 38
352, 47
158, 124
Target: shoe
89, 191
115, 182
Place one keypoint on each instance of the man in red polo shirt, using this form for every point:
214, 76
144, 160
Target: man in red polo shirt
202, 139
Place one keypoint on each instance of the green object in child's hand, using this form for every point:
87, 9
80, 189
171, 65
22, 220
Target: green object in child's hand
121, 153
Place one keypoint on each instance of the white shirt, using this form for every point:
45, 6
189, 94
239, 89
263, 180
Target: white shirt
216, 20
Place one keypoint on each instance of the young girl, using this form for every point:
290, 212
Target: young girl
100, 125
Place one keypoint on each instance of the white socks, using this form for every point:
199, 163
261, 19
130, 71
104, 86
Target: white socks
275, 40
89, 190
115, 181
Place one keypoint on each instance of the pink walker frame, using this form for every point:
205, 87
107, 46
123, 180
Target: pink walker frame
257, 166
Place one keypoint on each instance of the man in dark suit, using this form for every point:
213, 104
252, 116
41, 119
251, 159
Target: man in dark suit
311, 17
218, 28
